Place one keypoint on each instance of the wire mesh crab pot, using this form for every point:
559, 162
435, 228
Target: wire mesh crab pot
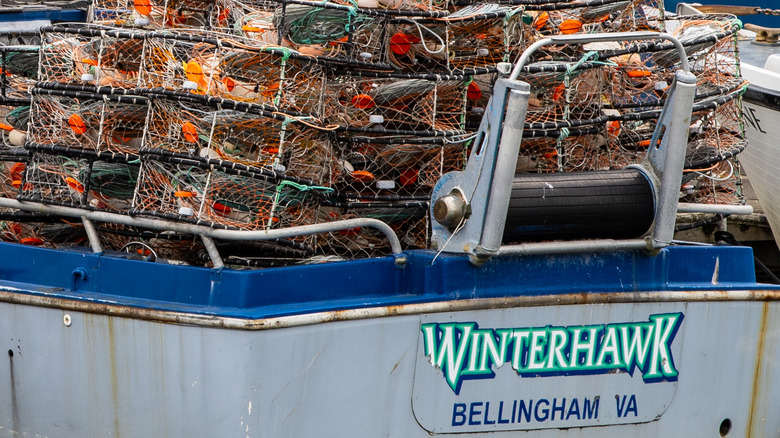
13, 127
394, 168
644, 71
37, 230
207, 194
234, 68
583, 150
276, 144
165, 14
717, 136
472, 37
416, 104
69, 117
65, 121
149, 245
570, 98
90, 55
408, 219
61, 176
331, 29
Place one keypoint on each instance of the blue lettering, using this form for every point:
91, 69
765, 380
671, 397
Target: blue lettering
574, 409
631, 406
459, 414
560, 408
474, 412
487, 413
500, 412
590, 411
545, 411
523, 409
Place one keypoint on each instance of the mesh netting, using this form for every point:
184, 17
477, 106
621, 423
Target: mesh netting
405, 104
266, 114
221, 196
277, 145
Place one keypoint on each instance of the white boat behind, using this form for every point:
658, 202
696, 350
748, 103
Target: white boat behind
760, 65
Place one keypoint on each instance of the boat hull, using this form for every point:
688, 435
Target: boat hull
761, 159
78, 373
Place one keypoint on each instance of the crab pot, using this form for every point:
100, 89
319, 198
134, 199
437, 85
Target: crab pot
381, 167
230, 67
580, 205
90, 55
219, 195
415, 103
408, 219
208, 132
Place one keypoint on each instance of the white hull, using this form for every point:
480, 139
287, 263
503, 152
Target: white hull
105, 375
761, 158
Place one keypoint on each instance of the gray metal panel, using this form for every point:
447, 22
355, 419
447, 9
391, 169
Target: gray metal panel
110, 376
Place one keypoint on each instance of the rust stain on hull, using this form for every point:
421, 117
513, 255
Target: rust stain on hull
756, 390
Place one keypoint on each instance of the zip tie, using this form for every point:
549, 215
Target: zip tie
564, 133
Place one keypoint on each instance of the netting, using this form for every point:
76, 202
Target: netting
223, 197
90, 55
232, 68
285, 145
267, 114
389, 168
396, 104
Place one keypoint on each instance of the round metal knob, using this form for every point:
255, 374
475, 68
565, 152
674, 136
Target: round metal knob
449, 210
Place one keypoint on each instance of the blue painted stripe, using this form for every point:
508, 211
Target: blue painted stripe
364, 283
53, 14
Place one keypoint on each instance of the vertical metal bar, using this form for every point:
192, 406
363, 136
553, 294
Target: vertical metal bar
668, 158
504, 171
92, 235
211, 248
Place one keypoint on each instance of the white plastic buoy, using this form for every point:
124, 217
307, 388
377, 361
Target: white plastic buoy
385, 184
190, 85
376, 119
17, 137
86, 77
141, 22
186, 211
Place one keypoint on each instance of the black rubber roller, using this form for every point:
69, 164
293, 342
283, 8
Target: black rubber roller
579, 205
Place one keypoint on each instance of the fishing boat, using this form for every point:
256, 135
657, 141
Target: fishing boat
551, 303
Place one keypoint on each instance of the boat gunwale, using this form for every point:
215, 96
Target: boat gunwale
17, 296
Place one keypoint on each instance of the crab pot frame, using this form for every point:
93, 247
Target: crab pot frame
65, 121
78, 178
394, 168
233, 68
90, 55
225, 197
69, 117
277, 144
166, 14
413, 103
17, 72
